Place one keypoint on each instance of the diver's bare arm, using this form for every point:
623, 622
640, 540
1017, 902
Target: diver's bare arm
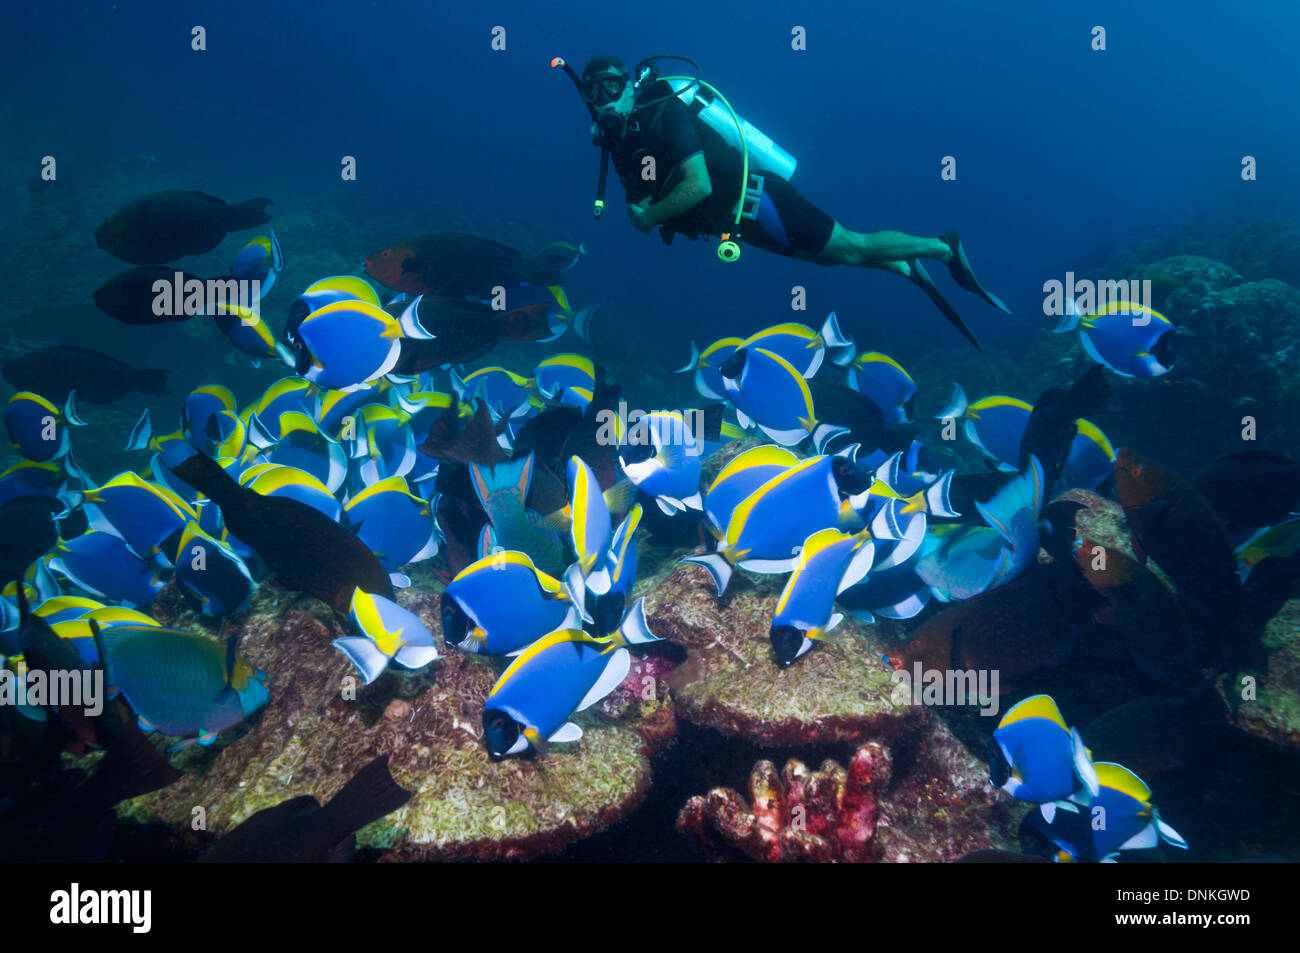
693, 189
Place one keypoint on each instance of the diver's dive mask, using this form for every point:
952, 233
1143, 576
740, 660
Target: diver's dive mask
604, 88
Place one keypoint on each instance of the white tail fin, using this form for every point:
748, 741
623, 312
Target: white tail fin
692, 364
717, 566
957, 404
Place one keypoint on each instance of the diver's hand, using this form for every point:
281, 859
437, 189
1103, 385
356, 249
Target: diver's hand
638, 214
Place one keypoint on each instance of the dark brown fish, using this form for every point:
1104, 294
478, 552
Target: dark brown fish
129, 296
1157, 733
845, 407
1154, 627
465, 439
301, 831
558, 433
168, 225
1028, 624
54, 372
44, 650
465, 330
1051, 427
27, 531
1174, 525
306, 549
457, 264
1250, 489
75, 824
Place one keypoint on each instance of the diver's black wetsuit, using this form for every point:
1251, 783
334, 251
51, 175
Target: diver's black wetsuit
787, 223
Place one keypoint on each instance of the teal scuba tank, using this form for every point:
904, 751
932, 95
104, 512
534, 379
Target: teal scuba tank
763, 152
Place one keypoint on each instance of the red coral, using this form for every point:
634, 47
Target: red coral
827, 815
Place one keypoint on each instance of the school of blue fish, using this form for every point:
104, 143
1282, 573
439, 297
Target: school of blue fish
554, 593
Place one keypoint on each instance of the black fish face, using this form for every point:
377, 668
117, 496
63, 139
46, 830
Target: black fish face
1164, 348
849, 477
455, 623
500, 732
637, 452
732, 366
787, 643
999, 771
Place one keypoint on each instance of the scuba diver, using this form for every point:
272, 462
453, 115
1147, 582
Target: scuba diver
681, 152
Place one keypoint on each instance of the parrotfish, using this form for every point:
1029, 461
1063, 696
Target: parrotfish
180, 683
167, 225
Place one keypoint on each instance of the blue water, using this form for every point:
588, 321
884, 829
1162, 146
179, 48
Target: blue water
1061, 151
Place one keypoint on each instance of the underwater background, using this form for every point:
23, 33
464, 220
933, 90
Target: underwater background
1113, 164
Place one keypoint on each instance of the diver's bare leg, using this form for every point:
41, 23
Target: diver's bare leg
885, 249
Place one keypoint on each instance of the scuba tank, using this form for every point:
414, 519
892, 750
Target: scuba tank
763, 152
757, 151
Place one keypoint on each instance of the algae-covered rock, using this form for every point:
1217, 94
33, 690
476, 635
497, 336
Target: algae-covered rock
1273, 713
730, 682
314, 734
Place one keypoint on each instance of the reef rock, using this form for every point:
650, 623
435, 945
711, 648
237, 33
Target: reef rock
1267, 249
1274, 712
314, 734
838, 692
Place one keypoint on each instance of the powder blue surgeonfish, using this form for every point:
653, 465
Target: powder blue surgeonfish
502, 489
394, 523
37, 429
767, 390
388, 633
766, 528
28, 478
144, 514
347, 345
561, 372
212, 572
591, 528
1091, 460
959, 561
561, 673
260, 260
1119, 818
244, 328
707, 366
1034, 756
504, 392
271, 479
799, 345
1131, 339
996, 425
668, 468
509, 603
180, 683
304, 445
742, 476
320, 293
885, 381
103, 565
829, 562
